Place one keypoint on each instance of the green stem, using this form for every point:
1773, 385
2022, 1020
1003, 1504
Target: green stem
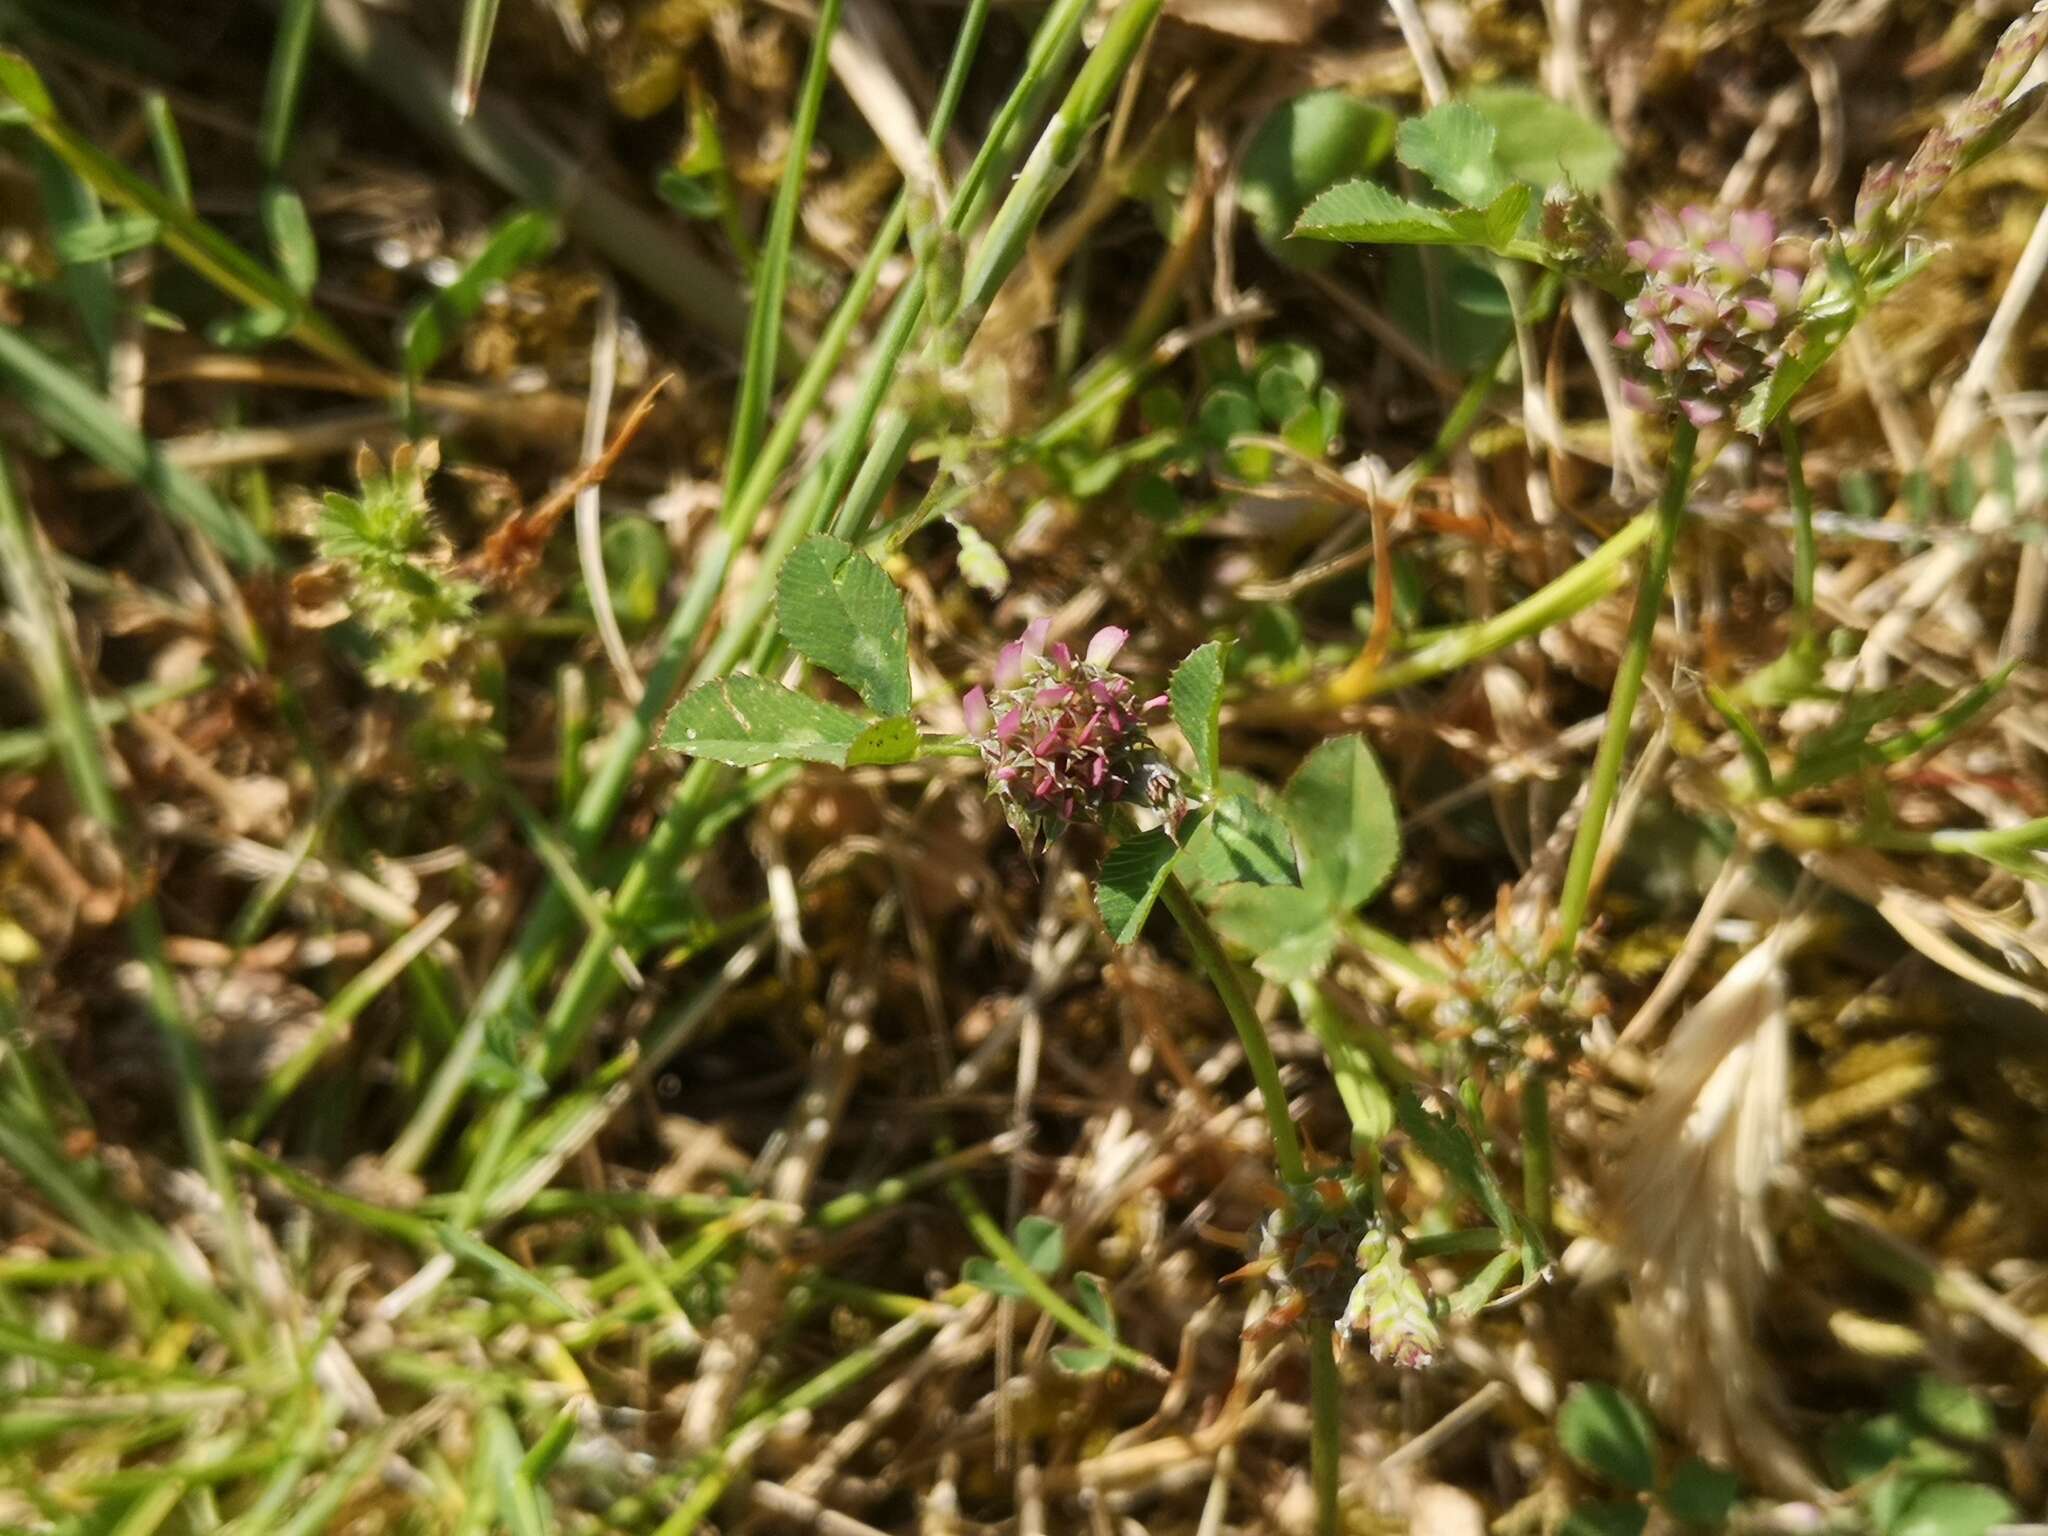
1573, 592
1628, 686
1258, 1051
1804, 558
1536, 1154
1326, 1431
1033, 1284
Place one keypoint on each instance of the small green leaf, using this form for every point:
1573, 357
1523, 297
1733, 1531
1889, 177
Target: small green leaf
1856, 1450
743, 720
1094, 1298
1700, 1494
1304, 146
636, 566
291, 238
1077, 1360
20, 82
1605, 1520
1948, 1408
1196, 693
883, 743
1366, 213
844, 614
114, 236
518, 241
987, 1275
1240, 841
1540, 140
1344, 822
1606, 1434
1952, 1509
1040, 1243
693, 196
1288, 930
1452, 145
1133, 875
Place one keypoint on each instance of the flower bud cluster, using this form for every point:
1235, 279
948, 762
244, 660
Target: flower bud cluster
1893, 200
1064, 736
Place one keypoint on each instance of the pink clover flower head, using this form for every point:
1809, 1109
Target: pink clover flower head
1721, 298
1064, 736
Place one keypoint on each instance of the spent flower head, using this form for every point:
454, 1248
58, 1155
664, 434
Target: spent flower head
1331, 1263
1064, 736
1718, 310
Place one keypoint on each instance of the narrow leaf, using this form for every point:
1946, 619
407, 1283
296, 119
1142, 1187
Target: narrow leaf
743, 720
843, 613
291, 238
1196, 694
1133, 875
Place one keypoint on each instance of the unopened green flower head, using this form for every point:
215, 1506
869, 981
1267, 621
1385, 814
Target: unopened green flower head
1064, 736
1718, 310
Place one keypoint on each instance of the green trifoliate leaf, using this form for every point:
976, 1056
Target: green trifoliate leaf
1608, 1435
1240, 841
1082, 1360
1540, 140
1094, 1299
1133, 875
1288, 930
1452, 145
744, 720
1344, 822
885, 742
1700, 1494
1305, 145
1040, 1243
987, 1275
843, 613
1952, 1509
1366, 213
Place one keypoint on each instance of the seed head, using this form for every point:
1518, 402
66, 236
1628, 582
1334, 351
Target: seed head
1064, 736
1718, 310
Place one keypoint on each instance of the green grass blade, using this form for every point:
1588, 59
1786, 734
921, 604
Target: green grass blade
69, 407
771, 280
479, 20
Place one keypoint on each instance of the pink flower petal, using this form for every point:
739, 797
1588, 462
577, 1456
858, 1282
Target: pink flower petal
1701, 413
1010, 725
1035, 635
1104, 645
975, 711
1010, 665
